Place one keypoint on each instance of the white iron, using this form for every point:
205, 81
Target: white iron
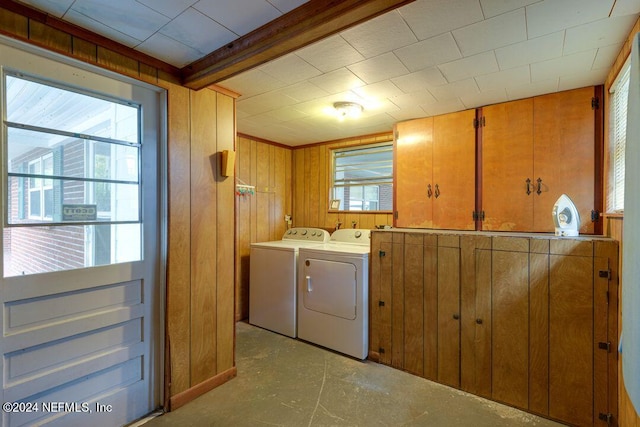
566, 217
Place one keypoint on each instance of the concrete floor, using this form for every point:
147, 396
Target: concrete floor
287, 382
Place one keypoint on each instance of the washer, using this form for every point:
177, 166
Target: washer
333, 293
273, 279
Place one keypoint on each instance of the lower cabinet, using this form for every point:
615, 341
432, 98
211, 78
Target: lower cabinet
526, 320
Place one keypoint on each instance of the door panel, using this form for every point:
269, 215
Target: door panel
330, 287
449, 316
86, 335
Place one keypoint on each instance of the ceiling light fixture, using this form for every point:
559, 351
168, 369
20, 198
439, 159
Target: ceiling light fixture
347, 109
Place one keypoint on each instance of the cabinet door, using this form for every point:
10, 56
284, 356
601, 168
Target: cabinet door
564, 150
449, 316
413, 159
454, 154
507, 164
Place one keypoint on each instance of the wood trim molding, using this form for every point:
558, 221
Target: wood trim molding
187, 396
304, 25
264, 141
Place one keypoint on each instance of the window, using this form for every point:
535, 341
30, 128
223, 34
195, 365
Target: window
72, 178
617, 140
362, 177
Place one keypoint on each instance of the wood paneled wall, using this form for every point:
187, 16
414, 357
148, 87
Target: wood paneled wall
613, 228
311, 181
260, 217
200, 266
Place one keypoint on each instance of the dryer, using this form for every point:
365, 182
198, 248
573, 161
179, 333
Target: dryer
273, 279
333, 293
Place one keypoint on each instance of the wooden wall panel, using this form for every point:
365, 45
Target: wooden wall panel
311, 184
260, 217
199, 283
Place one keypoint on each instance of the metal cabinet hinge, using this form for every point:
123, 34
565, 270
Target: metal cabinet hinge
608, 418
605, 346
478, 216
477, 123
595, 103
382, 253
380, 303
395, 214
381, 350
605, 274
595, 216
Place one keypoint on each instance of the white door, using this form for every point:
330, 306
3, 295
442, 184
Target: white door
81, 285
330, 287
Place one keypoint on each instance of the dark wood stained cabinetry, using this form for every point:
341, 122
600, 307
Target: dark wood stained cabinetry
521, 319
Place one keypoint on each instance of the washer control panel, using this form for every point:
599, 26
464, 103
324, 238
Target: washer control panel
307, 234
351, 235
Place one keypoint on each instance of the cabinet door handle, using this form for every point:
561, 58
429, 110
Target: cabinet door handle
437, 191
528, 186
539, 190
429, 191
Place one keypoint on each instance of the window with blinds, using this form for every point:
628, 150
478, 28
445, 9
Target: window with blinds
362, 178
617, 140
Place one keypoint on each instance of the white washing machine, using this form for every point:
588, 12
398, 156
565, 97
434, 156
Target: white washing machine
333, 293
273, 279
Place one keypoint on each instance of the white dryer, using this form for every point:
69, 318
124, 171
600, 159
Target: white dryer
273, 279
333, 293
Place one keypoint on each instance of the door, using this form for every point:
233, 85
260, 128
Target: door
330, 287
81, 283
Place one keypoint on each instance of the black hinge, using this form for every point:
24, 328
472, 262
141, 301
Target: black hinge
380, 303
395, 214
381, 350
605, 274
595, 103
382, 253
606, 417
479, 122
595, 216
478, 216
605, 346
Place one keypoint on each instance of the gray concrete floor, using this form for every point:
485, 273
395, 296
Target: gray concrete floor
287, 382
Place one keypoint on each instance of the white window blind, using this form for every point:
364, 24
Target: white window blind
617, 140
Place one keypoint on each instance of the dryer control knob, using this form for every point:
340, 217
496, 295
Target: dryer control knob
294, 232
304, 232
358, 234
288, 231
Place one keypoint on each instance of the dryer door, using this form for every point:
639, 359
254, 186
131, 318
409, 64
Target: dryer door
329, 287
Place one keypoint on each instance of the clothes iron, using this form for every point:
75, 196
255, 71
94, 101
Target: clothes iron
566, 217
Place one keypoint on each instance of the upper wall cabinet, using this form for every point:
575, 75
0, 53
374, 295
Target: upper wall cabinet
533, 151
435, 172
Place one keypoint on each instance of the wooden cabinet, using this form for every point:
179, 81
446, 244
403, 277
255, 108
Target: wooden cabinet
435, 172
521, 319
534, 150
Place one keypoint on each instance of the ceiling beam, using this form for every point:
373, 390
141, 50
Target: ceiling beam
304, 25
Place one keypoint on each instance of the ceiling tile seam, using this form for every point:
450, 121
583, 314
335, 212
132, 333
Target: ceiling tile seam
111, 28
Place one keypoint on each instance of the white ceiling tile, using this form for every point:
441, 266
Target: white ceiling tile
567, 65
604, 32
550, 16
56, 8
532, 89
240, 16
626, 7
448, 106
337, 81
471, 66
303, 91
104, 30
379, 35
168, 50
606, 56
285, 6
479, 99
535, 50
506, 78
503, 30
131, 18
197, 31
383, 89
429, 52
497, 7
454, 90
252, 82
170, 8
592, 78
428, 18
420, 80
286, 114
415, 112
383, 67
330, 54
291, 69
413, 99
